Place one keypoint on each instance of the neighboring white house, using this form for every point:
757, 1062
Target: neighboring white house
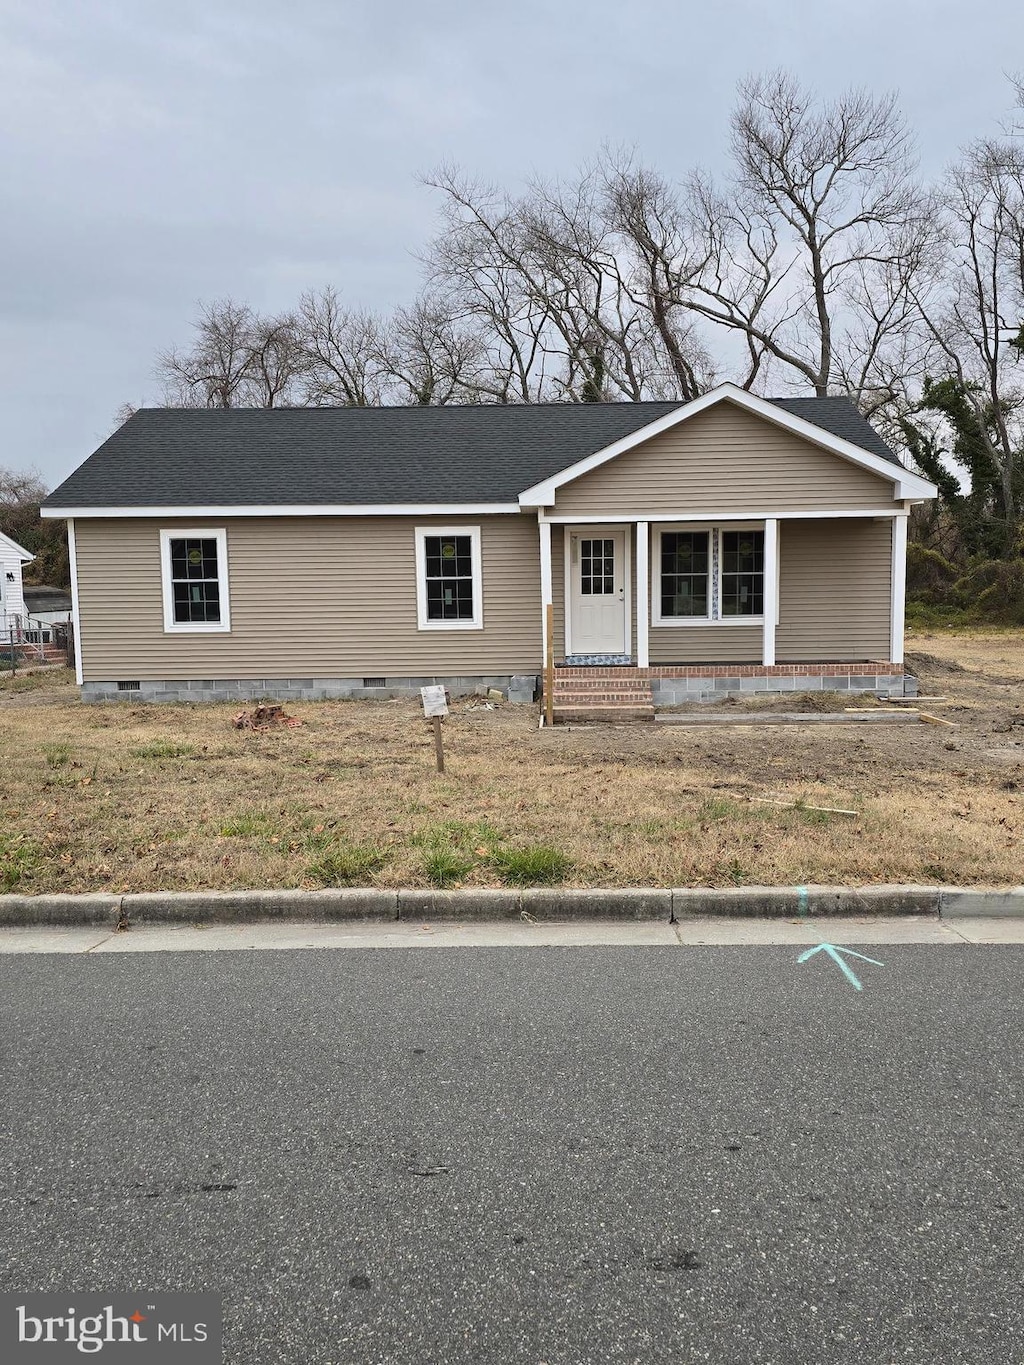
12, 598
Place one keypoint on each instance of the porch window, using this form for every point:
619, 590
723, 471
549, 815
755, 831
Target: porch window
742, 591
195, 582
685, 573
449, 587
708, 574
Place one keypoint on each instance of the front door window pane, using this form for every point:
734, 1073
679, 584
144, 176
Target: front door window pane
597, 567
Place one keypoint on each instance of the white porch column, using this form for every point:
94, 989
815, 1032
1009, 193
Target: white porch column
76, 615
643, 594
898, 587
771, 591
545, 584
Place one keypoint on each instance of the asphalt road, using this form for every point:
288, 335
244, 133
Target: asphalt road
548, 1155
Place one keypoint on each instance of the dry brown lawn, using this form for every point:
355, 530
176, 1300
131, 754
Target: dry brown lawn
129, 797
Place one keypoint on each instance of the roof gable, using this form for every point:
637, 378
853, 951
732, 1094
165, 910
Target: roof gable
839, 414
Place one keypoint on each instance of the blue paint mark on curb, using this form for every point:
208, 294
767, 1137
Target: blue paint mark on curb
801, 898
834, 953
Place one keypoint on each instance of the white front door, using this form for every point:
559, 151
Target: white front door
597, 591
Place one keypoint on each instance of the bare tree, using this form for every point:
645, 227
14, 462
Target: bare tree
480, 263
812, 249
342, 347
277, 362
237, 359
659, 258
428, 356
976, 322
212, 373
549, 279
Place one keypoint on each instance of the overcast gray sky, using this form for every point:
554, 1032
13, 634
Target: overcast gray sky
158, 154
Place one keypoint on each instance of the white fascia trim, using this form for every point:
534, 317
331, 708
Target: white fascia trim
721, 518
422, 621
76, 615
907, 484
383, 509
24, 555
172, 627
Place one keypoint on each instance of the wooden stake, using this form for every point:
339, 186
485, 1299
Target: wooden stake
794, 805
549, 664
438, 743
936, 720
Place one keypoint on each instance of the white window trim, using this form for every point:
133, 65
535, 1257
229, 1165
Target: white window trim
220, 535
422, 622
691, 622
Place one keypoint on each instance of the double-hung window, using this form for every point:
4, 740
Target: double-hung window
713, 573
449, 578
193, 567
685, 574
742, 575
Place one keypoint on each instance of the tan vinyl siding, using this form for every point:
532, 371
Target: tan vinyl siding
834, 591
834, 602
708, 644
323, 597
723, 460
558, 587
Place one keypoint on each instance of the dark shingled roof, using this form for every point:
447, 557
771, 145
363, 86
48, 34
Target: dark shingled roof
47, 599
192, 457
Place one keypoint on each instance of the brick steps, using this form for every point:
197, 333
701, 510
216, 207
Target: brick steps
606, 700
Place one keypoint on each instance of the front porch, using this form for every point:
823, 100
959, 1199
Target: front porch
614, 692
640, 614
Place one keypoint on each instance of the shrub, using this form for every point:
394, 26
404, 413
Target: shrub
537, 865
930, 576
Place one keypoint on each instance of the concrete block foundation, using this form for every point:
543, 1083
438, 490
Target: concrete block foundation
520, 688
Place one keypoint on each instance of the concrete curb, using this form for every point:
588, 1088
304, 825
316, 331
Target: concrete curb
532, 903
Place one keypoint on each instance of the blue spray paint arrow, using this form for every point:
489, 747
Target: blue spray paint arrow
834, 954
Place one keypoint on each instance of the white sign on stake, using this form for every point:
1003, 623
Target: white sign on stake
434, 701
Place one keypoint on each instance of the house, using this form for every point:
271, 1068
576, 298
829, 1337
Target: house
651, 551
47, 610
12, 598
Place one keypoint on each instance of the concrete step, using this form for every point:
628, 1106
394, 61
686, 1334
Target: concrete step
608, 713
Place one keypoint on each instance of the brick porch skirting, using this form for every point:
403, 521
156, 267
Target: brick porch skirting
673, 684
